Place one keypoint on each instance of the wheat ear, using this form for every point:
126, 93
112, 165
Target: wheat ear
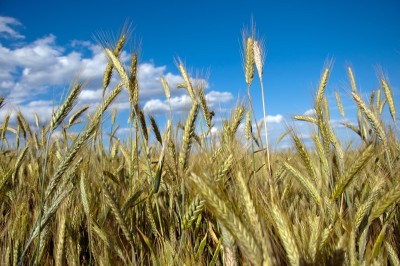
286, 235
108, 72
351, 173
389, 97
188, 136
242, 236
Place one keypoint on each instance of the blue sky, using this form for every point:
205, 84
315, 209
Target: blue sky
45, 44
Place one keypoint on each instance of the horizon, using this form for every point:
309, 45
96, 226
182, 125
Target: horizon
41, 58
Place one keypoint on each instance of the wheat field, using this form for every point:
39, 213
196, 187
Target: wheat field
184, 196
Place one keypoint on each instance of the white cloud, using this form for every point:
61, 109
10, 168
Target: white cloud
214, 97
91, 95
32, 73
274, 119
310, 112
6, 28
183, 103
123, 131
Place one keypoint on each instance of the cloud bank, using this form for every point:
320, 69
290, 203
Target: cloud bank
42, 70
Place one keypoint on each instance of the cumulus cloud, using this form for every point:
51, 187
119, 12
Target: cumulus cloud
33, 73
310, 112
183, 103
6, 28
276, 119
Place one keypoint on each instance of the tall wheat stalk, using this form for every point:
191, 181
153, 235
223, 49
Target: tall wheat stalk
259, 59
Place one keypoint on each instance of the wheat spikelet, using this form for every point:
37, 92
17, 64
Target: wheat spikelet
8, 258
112, 202
390, 198
24, 124
326, 108
133, 89
322, 85
305, 118
339, 104
75, 116
61, 242
389, 97
249, 129
253, 216
188, 136
84, 195
133, 68
393, 255
172, 152
224, 168
352, 254
47, 215
236, 119
352, 80
21, 126
5, 126
107, 241
315, 225
16, 252
1, 102
155, 129
17, 136
120, 69
62, 112
378, 98
380, 108
309, 187
351, 173
142, 120
188, 83
338, 149
365, 208
13, 172
71, 154
301, 149
108, 72
259, 57
166, 88
323, 129
150, 217
249, 60
371, 100
245, 240
376, 125
286, 235
193, 212
204, 107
